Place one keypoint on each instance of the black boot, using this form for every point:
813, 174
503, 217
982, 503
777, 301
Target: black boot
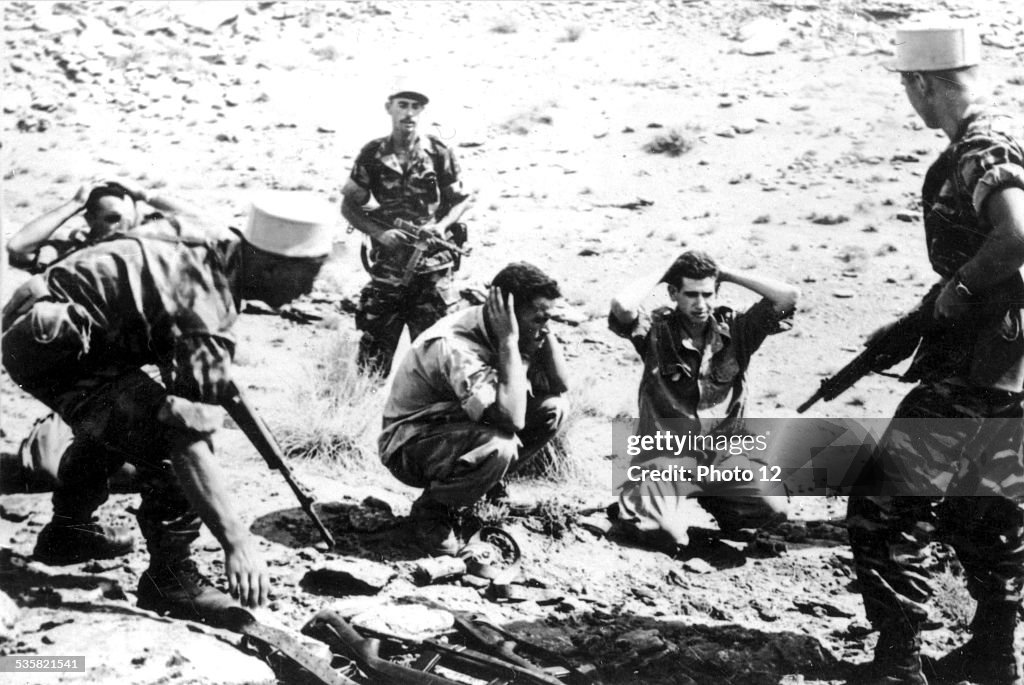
898, 657
65, 541
177, 589
988, 658
434, 527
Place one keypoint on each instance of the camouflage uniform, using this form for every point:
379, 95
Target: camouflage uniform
111, 309
973, 373
412, 194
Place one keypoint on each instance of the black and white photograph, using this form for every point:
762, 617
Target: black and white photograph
472, 342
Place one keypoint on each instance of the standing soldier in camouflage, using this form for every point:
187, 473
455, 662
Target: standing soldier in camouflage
957, 436
415, 181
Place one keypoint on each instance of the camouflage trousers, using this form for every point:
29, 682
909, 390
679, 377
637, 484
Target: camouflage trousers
112, 412
889, 532
385, 308
458, 463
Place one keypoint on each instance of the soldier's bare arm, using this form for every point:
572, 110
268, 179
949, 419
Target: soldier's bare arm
353, 198
625, 305
509, 408
203, 483
32, 235
1000, 256
782, 295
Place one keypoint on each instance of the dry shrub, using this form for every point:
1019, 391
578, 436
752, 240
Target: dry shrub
337, 412
951, 598
562, 460
521, 124
572, 34
505, 27
673, 143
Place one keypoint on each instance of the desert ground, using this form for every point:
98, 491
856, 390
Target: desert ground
602, 138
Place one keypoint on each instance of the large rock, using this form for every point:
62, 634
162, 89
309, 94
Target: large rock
341, 577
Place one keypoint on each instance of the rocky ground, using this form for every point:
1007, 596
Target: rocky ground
798, 156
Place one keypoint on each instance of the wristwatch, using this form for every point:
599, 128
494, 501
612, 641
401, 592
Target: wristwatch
961, 288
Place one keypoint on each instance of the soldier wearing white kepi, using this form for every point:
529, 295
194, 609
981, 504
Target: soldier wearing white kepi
969, 366
76, 339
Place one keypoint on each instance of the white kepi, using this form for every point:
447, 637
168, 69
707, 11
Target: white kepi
291, 223
934, 47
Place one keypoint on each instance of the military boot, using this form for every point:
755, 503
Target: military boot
177, 589
434, 527
65, 540
989, 658
898, 657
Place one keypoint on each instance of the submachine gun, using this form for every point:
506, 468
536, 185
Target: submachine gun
884, 351
422, 242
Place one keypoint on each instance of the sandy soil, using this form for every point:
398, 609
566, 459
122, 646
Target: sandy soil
804, 162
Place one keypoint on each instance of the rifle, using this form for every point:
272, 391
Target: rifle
504, 666
263, 440
886, 350
422, 240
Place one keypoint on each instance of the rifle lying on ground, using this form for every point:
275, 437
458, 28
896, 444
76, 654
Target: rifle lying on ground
421, 241
503, 665
263, 440
886, 350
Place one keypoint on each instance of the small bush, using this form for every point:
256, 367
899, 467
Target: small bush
572, 34
951, 598
505, 28
673, 143
338, 411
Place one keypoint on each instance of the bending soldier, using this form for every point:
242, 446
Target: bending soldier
76, 339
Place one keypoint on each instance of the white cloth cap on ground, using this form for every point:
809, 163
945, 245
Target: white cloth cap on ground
291, 224
936, 48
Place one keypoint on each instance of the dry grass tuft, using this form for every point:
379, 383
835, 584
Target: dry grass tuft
951, 598
673, 143
337, 411
572, 34
505, 27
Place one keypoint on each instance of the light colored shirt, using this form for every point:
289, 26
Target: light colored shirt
449, 375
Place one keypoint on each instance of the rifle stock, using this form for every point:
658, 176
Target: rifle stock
886, 350
263, 440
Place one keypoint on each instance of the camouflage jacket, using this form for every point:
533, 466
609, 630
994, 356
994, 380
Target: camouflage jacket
414, 193
986, 348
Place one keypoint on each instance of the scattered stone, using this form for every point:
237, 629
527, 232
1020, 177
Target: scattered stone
764, 612
406, 621
341, 577
697, 565
843, 294
762, 36
9, 613
815, 608
642, 640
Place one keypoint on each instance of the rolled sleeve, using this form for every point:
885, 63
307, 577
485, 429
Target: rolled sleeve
471, 378
750, 328
361, 174
636, 331
995, 179
201, 368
